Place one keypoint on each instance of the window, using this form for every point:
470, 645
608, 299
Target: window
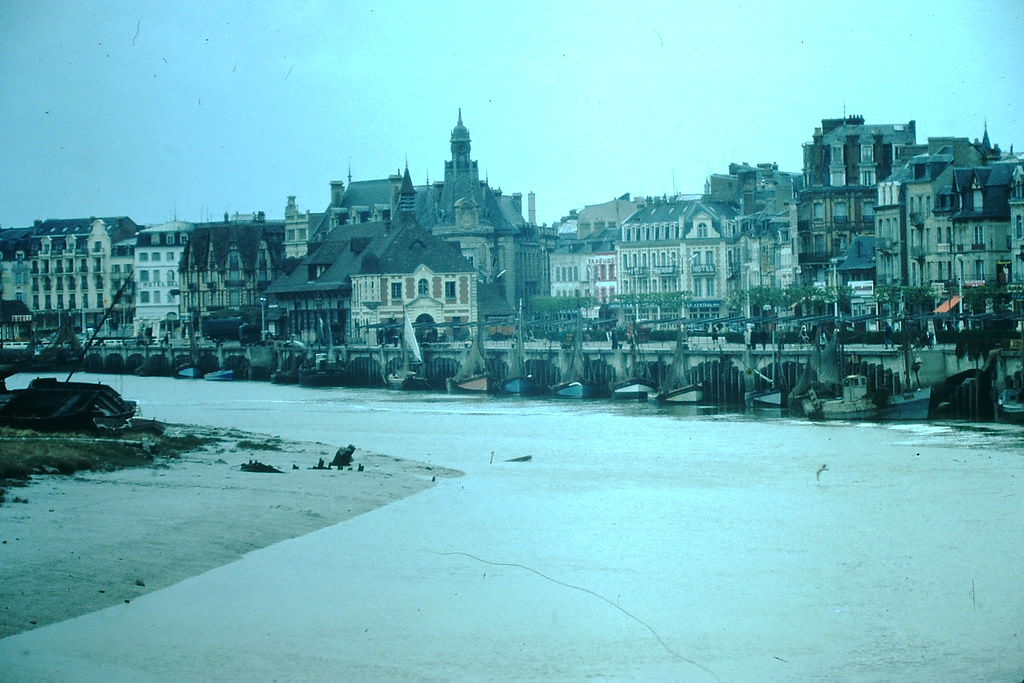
867, 153
449, 289
170, 256
422, 287
143, 276
837, 154
702, 229
839, 210
170, 276
144, 297
396, 291
819, 210
155, 256
979, 234
1019, 230
143, 256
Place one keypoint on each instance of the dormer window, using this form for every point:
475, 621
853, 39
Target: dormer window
422, 287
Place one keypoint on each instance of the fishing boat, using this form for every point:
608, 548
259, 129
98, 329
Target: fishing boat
407, 377
517, 382
222, 375
321, 373
1010, 406
637, 386
578, 386
472, 377
675, 388
48, 404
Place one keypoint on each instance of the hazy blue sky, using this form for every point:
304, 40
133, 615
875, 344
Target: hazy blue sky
157, 109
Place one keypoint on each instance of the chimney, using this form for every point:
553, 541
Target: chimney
517, 201
531, 204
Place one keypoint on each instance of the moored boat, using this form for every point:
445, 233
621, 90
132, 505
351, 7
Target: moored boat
47, 404
1010, 406
222, 375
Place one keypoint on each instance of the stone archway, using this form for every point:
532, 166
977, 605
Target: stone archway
426, 328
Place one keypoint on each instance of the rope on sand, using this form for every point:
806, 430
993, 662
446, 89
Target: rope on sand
594, 594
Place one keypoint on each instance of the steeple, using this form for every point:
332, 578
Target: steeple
407, 196
460, 144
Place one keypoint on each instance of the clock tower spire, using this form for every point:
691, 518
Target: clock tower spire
460, 144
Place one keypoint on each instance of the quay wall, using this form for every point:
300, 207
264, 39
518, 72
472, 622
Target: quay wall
371, 363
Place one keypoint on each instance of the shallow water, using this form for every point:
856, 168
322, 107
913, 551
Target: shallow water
650, 544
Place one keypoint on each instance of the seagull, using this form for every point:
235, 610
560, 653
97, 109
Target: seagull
823, 468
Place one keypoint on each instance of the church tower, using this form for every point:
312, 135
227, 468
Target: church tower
461, 177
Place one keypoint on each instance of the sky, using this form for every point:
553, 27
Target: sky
162, 110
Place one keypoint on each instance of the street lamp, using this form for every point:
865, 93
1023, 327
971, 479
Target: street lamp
835, 286
262, 318
960, 292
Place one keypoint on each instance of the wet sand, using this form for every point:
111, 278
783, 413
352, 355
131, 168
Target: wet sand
84, 542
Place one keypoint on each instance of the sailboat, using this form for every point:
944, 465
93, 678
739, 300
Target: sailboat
577, 385
913, 401
405, 378
472, 377
637, 386
675, 388
517, 382
322, 372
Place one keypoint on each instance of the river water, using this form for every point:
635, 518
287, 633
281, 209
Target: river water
654, 543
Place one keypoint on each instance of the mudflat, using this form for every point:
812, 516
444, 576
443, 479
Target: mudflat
73, 544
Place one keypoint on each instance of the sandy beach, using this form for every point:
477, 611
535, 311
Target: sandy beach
95, 539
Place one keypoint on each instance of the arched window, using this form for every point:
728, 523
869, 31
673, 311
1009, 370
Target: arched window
422, 287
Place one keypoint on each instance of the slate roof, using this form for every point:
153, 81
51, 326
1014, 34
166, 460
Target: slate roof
995, 182
865, 133
367, 248
118, 227
13, 240
671, 212
12, 307
860, 255
247, 235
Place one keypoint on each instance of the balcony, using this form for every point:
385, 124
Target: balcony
978, 246
665, 270
916, 218
917, 253
885, 244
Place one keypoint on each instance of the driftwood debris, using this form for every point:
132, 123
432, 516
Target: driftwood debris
343, 458
257, 466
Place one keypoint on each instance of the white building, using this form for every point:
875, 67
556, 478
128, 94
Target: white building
157, 253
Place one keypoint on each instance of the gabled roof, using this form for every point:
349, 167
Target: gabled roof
219, 237
369, 248
860, 255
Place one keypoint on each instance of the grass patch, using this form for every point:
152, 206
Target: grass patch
273, 444
25, 452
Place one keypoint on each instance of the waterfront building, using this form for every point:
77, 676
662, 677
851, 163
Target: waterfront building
585, 267
980, 215
15, 322
1016, 205
157, 255
359, 281
71, 271
15, 264
842, 165
297, 228
673, 246
507, 250
912, 215
226, 266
